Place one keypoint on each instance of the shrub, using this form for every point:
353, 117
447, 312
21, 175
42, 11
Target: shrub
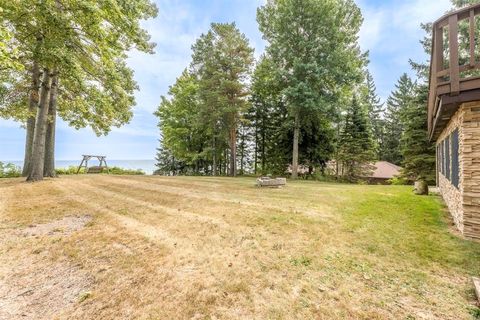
121, 171
68, 171
399, 181
112, 170
9, 170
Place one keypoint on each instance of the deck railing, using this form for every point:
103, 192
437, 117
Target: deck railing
454, 66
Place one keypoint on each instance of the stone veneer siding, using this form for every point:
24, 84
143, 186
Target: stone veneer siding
464, 202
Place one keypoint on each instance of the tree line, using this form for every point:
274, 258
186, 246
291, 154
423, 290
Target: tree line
308, 103
67, 59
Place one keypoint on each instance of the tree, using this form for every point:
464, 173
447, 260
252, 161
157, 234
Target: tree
222, 60
417, 151
268, 117
375, 111
356, 145
81, 46
317, 144
183, 133
399, 100
313, 45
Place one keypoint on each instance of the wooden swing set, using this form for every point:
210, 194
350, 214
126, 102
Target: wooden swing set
95, 169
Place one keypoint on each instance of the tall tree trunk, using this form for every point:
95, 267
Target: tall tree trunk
264, 139
242, 157
296, 134
49, 166
32, 109
38, 148
233, 152
256, 149
214, 164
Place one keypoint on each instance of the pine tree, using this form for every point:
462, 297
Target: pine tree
271, 125
222, 60
417, 151
356, 146
375, 111
398, 101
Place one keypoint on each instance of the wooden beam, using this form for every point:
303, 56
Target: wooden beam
453, 45
472, 38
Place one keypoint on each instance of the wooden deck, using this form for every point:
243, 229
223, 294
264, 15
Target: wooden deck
454, 67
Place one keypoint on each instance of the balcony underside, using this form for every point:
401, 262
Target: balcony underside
448, 104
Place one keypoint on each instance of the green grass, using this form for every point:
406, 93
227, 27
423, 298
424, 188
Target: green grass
413, 226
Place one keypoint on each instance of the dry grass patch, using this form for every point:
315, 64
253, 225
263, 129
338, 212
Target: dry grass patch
219, 248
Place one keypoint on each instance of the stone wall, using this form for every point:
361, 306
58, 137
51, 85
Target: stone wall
471, 169
464, 202
450, 194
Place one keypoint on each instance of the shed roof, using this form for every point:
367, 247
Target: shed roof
385, 170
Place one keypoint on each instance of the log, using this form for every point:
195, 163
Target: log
269, 182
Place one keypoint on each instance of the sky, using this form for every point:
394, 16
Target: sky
390, 33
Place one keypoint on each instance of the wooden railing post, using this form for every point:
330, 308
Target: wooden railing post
472, 38
438, 51
453, 45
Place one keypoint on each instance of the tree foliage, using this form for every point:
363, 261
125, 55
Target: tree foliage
356, 146
417, 151
80, 47
313, 47
205, 109
400, 99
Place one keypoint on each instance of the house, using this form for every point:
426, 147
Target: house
454, 115
383, 171
379, 172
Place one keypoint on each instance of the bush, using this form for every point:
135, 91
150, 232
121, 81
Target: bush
399, 181
68, 171
121, 171
112, 170
9, 170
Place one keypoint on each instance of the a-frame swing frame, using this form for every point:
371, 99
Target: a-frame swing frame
86, 158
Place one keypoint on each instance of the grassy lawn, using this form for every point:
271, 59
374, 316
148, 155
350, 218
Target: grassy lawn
104, 247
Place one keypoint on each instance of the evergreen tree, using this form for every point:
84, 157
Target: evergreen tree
245, 147
398, 101
269, 119
375, 111
417, 151
222, 60
356, 145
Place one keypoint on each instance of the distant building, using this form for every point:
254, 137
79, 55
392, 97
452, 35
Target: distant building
383, 171
454, 116
380, 172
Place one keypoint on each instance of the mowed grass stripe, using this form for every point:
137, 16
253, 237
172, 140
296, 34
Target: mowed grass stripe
253, 201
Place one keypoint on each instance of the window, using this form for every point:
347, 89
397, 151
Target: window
442, 158
439, 159
447, 158
455, 162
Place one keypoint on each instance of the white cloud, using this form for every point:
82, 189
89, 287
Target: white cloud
394, 25
391, 33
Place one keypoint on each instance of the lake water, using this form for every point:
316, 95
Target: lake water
147, 166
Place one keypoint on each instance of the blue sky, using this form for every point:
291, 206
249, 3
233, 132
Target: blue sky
390, 33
